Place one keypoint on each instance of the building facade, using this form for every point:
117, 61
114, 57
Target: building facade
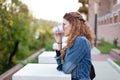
108, 19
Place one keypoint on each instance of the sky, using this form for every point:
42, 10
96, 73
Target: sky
51, 9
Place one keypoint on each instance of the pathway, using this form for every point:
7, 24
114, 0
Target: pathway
103, 69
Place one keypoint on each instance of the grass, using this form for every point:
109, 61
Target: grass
105, 47
34, 60
118, 62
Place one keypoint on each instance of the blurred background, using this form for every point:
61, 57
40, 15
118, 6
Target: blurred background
26, 26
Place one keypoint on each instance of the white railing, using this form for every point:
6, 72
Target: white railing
47, 57
45, 69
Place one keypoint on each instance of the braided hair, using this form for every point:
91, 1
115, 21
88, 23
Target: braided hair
79, 28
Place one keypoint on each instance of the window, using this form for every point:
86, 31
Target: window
115, 1
115, 17
119, 15
111, 20
118, 1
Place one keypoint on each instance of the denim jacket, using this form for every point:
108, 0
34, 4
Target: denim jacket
77, 60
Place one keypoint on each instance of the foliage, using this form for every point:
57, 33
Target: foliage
118, 62
45, 34
115, 41
105, 47
83, 8
83, 1
15, 33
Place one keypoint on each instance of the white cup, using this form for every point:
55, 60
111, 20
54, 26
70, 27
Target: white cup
58, 29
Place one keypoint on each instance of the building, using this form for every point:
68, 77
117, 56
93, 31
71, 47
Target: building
108, 19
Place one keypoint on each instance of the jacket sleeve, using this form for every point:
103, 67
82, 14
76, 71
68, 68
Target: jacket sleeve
74, 55
58, 59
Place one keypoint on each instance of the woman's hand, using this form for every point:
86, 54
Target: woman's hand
58, 39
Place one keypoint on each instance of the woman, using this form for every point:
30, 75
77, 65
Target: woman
75, 57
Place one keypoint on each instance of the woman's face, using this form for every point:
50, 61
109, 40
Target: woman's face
66, 27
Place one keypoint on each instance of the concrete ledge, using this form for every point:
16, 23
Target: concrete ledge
114, 65
115, 53
34, 71
47, 57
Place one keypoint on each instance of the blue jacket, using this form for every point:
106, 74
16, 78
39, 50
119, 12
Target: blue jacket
77, 60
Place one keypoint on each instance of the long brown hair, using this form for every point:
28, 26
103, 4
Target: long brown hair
79, 28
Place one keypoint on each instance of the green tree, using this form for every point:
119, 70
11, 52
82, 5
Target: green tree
6, 24
45, 34
84, 8
15, 32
